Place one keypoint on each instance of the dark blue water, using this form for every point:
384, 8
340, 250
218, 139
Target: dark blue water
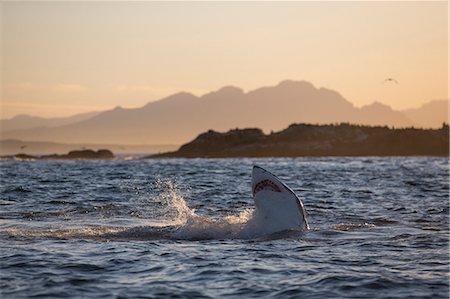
170, 228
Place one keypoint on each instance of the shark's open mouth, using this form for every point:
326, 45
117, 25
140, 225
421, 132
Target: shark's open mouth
266, 185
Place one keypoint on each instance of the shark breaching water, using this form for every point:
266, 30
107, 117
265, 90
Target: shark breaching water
277, 211
277, 207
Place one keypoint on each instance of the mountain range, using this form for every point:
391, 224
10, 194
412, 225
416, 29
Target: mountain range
180, 117
24, 121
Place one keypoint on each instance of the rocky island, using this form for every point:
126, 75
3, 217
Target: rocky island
101, 154
301, 140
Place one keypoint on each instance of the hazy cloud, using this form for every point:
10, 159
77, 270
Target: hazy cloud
24, 85
69, 88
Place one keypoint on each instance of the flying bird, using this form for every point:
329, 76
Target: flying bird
23, 146
390, 80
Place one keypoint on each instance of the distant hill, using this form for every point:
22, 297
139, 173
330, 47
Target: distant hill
178, 118
317, 140
12, 147
24, 121
430, 115
86, 154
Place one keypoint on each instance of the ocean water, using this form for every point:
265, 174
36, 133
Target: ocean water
379, 228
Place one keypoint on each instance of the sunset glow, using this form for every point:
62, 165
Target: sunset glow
65, 58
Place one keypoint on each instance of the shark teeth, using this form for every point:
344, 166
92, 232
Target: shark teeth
266, 185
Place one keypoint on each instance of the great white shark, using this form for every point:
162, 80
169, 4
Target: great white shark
277, 207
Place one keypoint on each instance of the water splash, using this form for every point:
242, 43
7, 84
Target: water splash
202, 228
189, 225
170, 217
174, 208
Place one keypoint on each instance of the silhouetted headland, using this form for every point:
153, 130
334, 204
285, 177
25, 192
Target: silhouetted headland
300, 140
101, 154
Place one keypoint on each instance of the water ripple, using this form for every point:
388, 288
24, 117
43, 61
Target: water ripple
170, 229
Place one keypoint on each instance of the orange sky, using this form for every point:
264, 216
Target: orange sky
64, 58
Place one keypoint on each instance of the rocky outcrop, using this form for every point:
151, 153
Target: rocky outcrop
101, 154
318, 140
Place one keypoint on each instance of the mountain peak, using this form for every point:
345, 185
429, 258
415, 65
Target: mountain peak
295, 84
377, 105
230, 89
226, 91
